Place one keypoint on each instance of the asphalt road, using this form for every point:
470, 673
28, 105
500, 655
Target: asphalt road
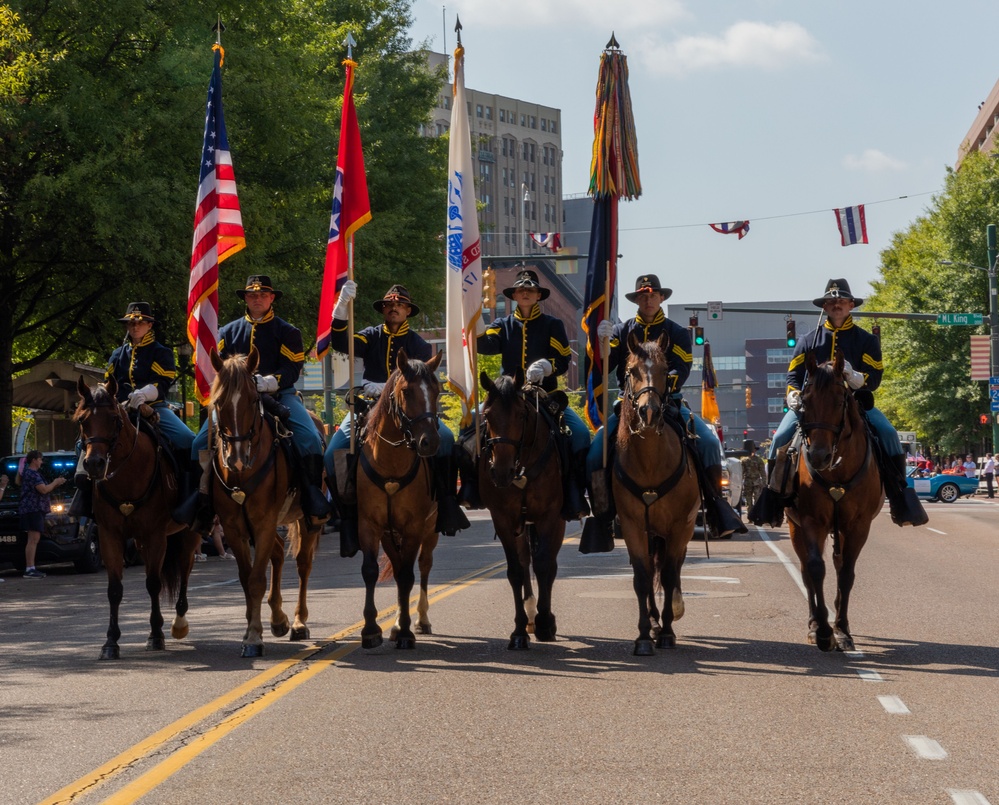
743, 710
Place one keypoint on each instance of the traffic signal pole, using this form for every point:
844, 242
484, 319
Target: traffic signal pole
990, 233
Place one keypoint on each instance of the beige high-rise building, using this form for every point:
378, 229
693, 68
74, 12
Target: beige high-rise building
517, 151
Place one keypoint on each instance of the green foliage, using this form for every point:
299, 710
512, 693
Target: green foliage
927, 386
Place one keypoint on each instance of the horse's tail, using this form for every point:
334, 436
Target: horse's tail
657, 553
385, 571
171, 573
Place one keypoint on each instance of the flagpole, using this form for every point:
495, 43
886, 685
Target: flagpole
605, 357
350, 345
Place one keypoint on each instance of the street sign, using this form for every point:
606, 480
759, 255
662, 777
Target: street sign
995, 406
907, 436
968, 319
714, 311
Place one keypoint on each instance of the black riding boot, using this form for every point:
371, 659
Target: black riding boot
721, 516
574, 505
598, 530
314, 503
195, 510
83, 499
768, 510
450, 518
349, 542
903, 504
468, 496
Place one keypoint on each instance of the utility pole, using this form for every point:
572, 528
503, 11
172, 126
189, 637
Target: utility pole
990, 233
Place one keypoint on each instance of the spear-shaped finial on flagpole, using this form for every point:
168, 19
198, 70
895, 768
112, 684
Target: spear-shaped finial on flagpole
612, 44
351, 43
218, 28
457, 28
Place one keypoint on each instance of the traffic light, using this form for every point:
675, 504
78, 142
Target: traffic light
749, 397
984, 419
699, 336
785, 409
489, 288
792, 337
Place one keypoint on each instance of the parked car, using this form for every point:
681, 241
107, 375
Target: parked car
731, 490
66, 538
943, 487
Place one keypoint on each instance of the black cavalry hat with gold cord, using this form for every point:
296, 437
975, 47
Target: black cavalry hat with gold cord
648, 283
397, 293
138, 311
837, 289
257, 283
526, 279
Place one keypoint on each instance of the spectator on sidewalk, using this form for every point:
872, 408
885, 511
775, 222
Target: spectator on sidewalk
969, 467
989, 472
33, 507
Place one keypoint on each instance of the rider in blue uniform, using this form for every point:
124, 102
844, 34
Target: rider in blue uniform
536, 343
144, 370
282, 356
377, 347
648, 325
863, 368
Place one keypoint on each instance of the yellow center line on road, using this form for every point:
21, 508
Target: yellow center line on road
298, 665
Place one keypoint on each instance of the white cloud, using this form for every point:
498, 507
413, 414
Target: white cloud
560, 14
744, 44
873, 161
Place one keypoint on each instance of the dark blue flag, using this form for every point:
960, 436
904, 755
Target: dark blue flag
601, 260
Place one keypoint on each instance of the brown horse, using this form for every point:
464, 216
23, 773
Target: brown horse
396, 510
520, 482
839, 493
253, 492
135, 489
655, 489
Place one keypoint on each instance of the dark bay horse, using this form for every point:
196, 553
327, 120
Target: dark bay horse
839, 493
655, 490
253, 492
134, 491
396, 510
520, 482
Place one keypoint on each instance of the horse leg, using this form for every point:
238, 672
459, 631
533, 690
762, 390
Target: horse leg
154, 586
114, 561
426, 564
642, 583
254, 582
180, 628
518, 575
279, 621
305, 551
846, 565
673, 609
813, 574
405, 578
371, 633
546, 569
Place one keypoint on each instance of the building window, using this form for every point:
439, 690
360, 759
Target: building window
506, 235
534, 122
487, 200
478, 110
552, 129
780, 356
531, 159
544, 124
776, 380
489, 113
502, 115
485, 172
775, 405
523, 120
469, 105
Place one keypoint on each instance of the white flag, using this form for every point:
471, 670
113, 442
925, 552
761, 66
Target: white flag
464, 252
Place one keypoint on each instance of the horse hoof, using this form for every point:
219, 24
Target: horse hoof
666, 640
280, 629
824, 642
518, 642
251, 650
371, 641
110, 653
155, 644
811, 637
546, 635
408, 643
644, 648
300, 633
844, 642
424, 628
179, 632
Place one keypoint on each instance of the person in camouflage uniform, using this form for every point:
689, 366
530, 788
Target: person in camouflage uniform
754, 474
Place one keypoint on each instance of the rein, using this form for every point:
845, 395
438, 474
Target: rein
523, 475
660, 421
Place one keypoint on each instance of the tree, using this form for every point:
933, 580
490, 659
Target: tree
102, 110
927, 386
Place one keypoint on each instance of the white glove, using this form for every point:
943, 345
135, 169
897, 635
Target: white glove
538, 371
854, 379
605, 329
794, 400
372, 389
267, 384
146, 394
347, 293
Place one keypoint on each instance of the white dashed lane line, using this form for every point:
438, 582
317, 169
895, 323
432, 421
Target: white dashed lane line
941, 533
894, 705
925, 748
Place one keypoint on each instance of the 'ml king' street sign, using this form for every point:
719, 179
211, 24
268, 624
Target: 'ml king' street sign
959, 318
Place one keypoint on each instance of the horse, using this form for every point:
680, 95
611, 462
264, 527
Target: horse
839, 493
655, 489
253, 490
396, 509
135, 489
520, 482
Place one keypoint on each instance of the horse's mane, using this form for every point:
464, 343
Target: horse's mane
231, 378
504, 391
381, 410
823, 377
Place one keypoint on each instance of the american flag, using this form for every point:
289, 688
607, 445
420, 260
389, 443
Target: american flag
740, 228
218, 234
852, 223
547, 240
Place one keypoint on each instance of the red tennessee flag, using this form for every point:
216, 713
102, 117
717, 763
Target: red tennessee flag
351, 210
218, 234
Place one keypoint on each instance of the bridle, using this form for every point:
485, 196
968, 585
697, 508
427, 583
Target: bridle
658, 422
520, 472
837, 430
229, 442
404, 422
112, 440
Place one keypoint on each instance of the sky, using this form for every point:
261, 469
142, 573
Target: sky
775, 111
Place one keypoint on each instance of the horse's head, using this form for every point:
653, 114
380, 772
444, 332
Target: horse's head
235, 406
101, 421
647, 382
411, 398
505, 415
825, 408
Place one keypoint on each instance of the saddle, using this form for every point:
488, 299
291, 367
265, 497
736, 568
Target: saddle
345, 463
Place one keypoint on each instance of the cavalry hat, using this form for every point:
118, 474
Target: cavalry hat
837, 289
138, 311
749, 444
259, 282
526, 279
397, 293
648, 283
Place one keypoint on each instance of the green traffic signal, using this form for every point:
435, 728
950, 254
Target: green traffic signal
699, 336
792, 337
